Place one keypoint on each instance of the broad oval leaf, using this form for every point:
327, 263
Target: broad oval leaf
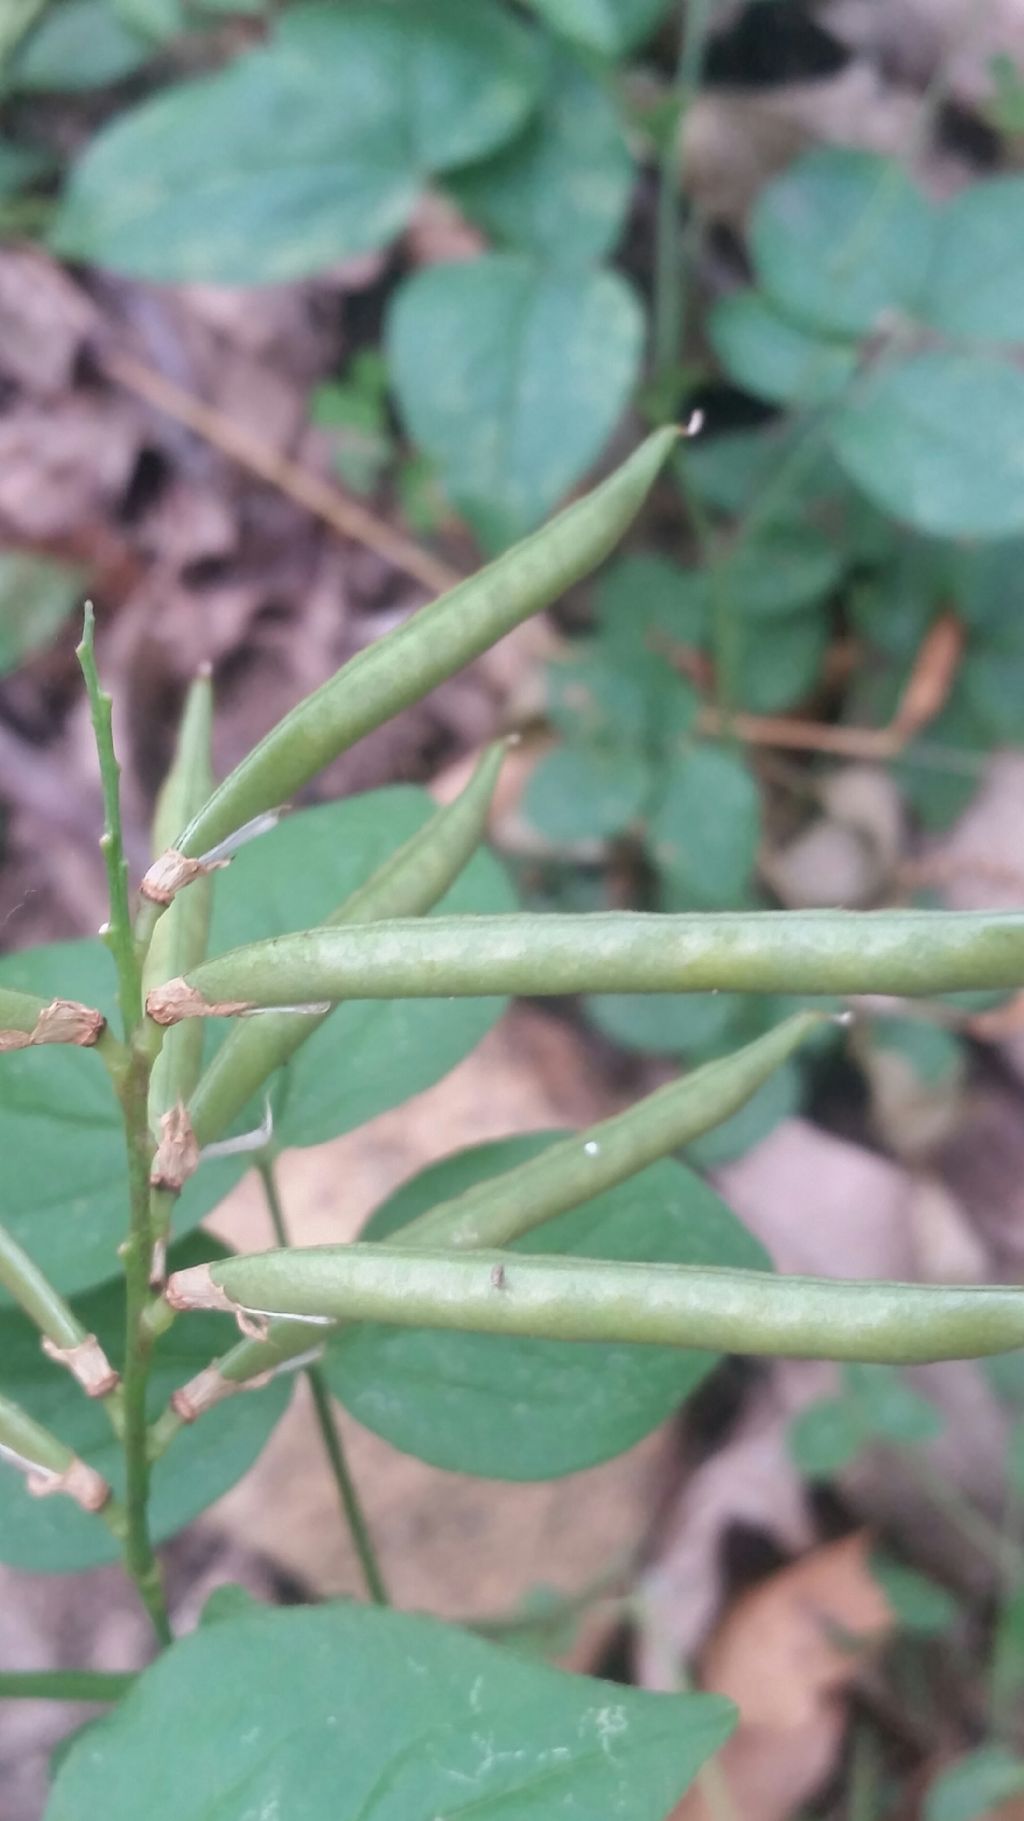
705, 830
774, 358
77, 45
53, 1535
301, 152
511, 376
561, 189
974, 1786
609, 26
528, 1410
337, 1713
842, 238
936, 441
976, 282
584, 792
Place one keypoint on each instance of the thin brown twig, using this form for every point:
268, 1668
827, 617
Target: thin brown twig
309, 490
926, 693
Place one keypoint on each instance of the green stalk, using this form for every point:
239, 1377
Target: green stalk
410, 881
330, 1434
835, 952
64, 1684
507, 1206
406, 664
179, 941
131, 1081
673, 247
585, 1299
118, 933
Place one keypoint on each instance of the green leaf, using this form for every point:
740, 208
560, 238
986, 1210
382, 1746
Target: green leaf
974, 1785
614, 691
36, 597
512, 377
775, 359
935, 440
609, 26
775, 570
1008, 1653
525, 1410
992, 680
304, 151
54, 1535
730, 470
77, 45
918, 1604
841, 239
1005, 1373
889, 1408
976, 280
291, 878
586, 792
780, 662
940, 788
676, 1024
988, 580
706, 828
20, 165
637, 595
562, 188
825, 1437
334, 1713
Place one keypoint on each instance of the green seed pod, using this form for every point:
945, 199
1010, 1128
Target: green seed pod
494, 1212
179, 940
514, 1203
410, 882
26, 1021
904, 952
406, 664
586, 1299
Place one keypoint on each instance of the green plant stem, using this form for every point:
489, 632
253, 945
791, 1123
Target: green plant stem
118, 934
131, 1081
64, 1684
555, 1298
910, 953
330, 1434
673, 247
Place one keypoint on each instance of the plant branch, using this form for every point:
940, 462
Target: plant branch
132, 1084
320, 497
579, 1299
904, 952
330, 1434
